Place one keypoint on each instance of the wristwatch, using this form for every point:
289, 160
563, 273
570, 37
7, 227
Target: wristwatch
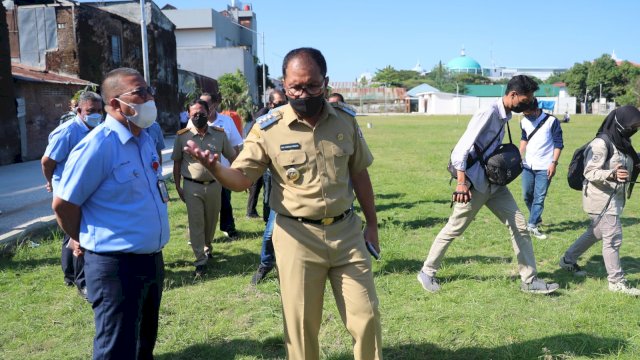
555, 162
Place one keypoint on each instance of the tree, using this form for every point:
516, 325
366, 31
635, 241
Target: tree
235, 94
576, 79
604, 73
396, 78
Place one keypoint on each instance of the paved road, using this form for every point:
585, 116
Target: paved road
26, 205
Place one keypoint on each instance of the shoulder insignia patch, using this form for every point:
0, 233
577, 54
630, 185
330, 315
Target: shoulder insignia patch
217, 128
182, 131
268, 119
344, 107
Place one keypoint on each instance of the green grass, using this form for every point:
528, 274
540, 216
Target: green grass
479, 314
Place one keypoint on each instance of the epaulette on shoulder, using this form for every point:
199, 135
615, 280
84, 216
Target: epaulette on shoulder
344, 107
182, 131
217, 128
268, 119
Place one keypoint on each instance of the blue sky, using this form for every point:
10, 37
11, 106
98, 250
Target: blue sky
365, 35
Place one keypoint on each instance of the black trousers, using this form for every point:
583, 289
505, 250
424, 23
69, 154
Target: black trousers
227, 223
252, 200
125, 291
72, 266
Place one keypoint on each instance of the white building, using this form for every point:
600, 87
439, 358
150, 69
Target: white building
213, 43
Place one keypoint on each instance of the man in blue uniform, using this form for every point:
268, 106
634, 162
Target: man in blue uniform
61, 141
111, 197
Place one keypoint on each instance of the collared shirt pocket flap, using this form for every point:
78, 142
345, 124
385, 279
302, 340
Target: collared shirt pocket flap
125, 173
291, 158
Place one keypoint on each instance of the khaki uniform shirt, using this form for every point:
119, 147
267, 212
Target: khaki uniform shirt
598, 187
311, 167
213, 140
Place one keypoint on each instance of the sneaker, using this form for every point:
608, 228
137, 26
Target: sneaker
200, 271
533, 230
253, 216
429, 283
572, 267
68, 282
260, 274
623, 287
538, 286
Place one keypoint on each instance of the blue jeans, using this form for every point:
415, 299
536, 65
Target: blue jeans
267, 255
266, 193
534, 187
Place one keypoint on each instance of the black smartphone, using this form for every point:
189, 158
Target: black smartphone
372, 250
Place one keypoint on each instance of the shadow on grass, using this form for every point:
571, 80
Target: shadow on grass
583, 224
390, 195
405, 266
271, 348
180, 273
27, 264
415, 224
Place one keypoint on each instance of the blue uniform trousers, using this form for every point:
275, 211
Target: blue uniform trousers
125, 292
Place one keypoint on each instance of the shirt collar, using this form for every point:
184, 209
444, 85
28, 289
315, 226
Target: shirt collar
290, 116
81, 123
122, 131
194, 131
502, 111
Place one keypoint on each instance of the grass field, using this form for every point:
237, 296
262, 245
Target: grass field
479, 314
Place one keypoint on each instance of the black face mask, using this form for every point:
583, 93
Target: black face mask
199, 120
307, 107
521, 107
624, 132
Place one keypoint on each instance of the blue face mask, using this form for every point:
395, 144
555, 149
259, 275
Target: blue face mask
93, 120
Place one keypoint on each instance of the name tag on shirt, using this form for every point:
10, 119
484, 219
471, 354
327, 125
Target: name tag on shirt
294, 146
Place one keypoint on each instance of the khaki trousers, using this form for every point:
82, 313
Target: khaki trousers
306, 256
203, 209
501, 203
609, 230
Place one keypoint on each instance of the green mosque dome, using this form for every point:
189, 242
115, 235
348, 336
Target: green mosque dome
464, 64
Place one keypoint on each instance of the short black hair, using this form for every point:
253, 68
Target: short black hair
276, 91
311, 53
338, 95
534, 105
196, 102
522, 84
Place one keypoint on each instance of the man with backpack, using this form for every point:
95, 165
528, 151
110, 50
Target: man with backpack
473, 190
540, 148
610, 170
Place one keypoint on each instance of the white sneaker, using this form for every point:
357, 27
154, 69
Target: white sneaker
533, 230
623, 287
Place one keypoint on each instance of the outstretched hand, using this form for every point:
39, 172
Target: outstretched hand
204, 157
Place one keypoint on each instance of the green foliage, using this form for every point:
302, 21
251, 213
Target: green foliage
391, 77
617, 81
193, 94
234, 90
76, 96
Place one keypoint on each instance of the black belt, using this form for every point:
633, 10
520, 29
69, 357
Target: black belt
323, 221
199, 182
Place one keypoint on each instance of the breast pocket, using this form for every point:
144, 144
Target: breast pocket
127, 179
339, 164
295, 166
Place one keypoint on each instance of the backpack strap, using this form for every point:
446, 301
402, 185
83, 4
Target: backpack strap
480, 153
538, 127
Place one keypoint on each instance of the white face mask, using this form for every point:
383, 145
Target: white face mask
93, 120
145, 114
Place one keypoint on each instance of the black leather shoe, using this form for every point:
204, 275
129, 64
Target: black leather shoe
200, 271
83, 293
260, 274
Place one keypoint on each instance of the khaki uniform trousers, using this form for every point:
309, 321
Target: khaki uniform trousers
609, 230
203, 209
308, 254
501, 203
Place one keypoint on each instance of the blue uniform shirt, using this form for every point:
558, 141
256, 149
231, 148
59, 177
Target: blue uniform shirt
110, 175
155, 131
61, 141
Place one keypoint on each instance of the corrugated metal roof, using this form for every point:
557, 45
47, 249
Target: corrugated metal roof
423, 88
545, 90
28, 73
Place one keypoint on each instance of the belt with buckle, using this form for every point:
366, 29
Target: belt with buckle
199, 182
323, 221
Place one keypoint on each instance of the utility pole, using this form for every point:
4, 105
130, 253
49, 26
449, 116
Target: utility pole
264, 60
145, 46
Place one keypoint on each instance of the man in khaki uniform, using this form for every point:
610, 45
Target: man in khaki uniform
201, 192
318, 158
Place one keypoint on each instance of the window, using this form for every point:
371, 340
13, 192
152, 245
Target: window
116, 56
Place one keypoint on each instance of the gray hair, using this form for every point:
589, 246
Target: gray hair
89, 96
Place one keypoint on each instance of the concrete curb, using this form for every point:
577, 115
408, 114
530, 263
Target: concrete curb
17, 236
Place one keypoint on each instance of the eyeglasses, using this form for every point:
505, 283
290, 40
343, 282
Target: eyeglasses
141, 92
311, 90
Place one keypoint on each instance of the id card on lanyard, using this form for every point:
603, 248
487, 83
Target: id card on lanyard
162, 185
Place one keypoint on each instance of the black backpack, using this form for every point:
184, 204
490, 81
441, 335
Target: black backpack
575, 175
